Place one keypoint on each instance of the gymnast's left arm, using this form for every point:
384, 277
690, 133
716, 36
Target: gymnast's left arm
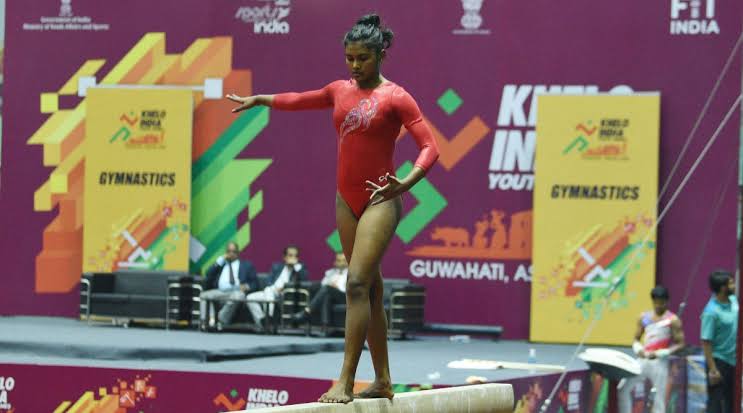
412, 119
429, 152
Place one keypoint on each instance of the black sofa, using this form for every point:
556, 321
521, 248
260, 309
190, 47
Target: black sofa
131, 295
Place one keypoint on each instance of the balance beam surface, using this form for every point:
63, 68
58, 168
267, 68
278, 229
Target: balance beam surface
481, 398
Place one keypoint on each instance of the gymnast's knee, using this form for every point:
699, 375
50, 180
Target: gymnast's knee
357, 288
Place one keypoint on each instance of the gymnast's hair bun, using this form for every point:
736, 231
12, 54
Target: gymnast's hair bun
369, 30
371, 20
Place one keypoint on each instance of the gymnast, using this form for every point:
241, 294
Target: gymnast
368, 112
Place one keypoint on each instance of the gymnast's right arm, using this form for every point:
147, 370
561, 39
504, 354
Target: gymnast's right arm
313, 99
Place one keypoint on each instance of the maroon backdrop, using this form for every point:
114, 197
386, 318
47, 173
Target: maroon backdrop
492, 65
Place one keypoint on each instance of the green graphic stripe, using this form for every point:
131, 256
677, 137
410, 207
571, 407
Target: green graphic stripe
602, 402
589, 301
229, 233
226, 216
237, 136
159, 248
225, 197
579, 140
243, 235
334, 241
216, 248
162, 245
255, 206
203, 267
430, 205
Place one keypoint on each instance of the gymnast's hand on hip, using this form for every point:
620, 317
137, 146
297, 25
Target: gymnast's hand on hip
392, 189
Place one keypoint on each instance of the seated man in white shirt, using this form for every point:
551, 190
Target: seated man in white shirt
228, 279
332, 291
282, 273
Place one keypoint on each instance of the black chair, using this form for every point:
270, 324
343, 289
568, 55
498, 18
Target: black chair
404, 304
295, 298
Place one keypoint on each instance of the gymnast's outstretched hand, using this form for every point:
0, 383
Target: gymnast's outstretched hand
394, 188
245, 102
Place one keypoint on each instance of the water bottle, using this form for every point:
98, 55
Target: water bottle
532, 359
461, 338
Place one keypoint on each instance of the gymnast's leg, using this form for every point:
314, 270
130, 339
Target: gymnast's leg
376, 337
364, 242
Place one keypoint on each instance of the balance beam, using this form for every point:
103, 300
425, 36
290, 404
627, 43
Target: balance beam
481, 398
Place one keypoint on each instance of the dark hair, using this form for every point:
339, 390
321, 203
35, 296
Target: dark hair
719, 279
290, 246
237, 247
659, 292
368, 30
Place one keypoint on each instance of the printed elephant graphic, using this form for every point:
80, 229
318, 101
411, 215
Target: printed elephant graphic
452, 236
497, 234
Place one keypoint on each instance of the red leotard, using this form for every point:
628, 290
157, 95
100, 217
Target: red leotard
368, 122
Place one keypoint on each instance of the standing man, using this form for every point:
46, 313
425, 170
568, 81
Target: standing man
227, 279
719, 334
282, 273
659, 334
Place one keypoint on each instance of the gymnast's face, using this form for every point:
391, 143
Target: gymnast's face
363, 62
731, 286
660, 305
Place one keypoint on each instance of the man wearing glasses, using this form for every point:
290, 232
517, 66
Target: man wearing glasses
227, 279
288, 271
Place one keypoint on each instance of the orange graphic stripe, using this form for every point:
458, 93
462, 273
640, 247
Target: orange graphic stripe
204, 58
145, 233
208, 123
588, 132
604, 250
72, 141
108, 404
223, 401
126, 119
452, 151
59, 265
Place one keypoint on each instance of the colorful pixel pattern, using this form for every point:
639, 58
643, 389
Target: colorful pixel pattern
217, 140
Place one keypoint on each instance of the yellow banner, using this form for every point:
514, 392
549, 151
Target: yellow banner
595, 207
137, 179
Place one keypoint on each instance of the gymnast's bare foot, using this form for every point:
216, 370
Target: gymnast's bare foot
380, 389
340, 393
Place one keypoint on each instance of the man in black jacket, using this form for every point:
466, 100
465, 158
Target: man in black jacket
331, 292
227, 279
282, 274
